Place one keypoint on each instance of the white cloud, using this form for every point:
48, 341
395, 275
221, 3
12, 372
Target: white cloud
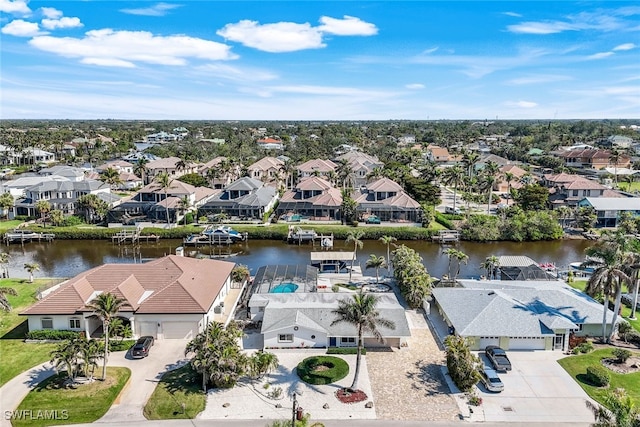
600, 55
160, 9
109, 47
65, 22
625, 46
15, 7
540, 27
21, 28
428, 51
514, 14
279, 37
348, 26
108, 62
290, 36
51, 13
521, 104
599, 20
415, 86
235, 73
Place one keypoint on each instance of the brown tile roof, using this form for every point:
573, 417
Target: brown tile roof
384, 184
317, 165
175, 187
166, 163
584, 184
266, 163
313, 183
177, 285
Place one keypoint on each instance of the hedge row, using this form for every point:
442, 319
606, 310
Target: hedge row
121, 345
51, 334
345, 350
443, 220
334, 369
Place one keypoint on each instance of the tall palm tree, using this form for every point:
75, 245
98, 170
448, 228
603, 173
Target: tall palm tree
360, 311
491, 264
6, 203
608, 278
43, 207
470, 158
261, 363
111, 176
376, 262
490, 178
31, 267
141, 169
4, 302
461, 258
355, 238
106, 306
388, 241
614, 157
89, 350
65, 357
508, 178
184, 205
164, 181
454, 176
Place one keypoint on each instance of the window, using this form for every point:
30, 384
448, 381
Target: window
348, 340
47, 323
285, 338
579, 326
74, 323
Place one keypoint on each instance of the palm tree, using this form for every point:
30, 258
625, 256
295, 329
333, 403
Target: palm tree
184, 205
111, 177
490, 178
4, 302
619, 410
240, 273
614, 157
89, 350
360, 311
470, 158
608, 278
6, 203
140, 169
4, 262
388, 240
491, 264
461, 258
165, 182
43, 207
105, 306
65, 357
261, 363
31, 267
376, 262
508, 178
354, 236
454, 176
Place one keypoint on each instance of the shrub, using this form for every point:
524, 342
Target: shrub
52, 334
585, 347
621, 355
624, 328
598, 376
345, 350
121, 345
332, 369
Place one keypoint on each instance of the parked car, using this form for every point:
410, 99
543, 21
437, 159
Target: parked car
372, 219
498, 358
141, 348
491, 380
451, 210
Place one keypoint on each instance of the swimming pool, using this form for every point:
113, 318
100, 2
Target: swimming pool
284, 288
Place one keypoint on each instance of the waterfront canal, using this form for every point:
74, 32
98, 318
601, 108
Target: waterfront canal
65, 258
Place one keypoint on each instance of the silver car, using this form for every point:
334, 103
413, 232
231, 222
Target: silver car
491, 380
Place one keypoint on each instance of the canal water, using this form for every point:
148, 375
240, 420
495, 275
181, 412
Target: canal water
69, 258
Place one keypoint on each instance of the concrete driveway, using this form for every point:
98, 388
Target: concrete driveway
536, 390
164, 356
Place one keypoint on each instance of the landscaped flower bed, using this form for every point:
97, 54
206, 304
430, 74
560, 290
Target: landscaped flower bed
345, 395
318, 370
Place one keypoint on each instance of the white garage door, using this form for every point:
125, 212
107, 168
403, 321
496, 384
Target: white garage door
530, 343
148, 328
179, 330
485, 341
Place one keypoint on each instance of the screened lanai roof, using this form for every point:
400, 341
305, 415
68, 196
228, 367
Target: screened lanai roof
270, 276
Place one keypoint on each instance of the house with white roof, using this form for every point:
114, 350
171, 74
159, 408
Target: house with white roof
608, 209
244, 198
518, 314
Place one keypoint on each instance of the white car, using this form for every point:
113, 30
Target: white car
451, 210
491, 380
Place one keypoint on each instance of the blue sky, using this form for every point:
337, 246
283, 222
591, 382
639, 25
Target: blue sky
320, 60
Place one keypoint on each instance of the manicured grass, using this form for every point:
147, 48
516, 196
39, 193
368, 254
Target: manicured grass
182, 386
626, 186
9, 225
576, 366
626, 311
83, 403
319, 370
18, 356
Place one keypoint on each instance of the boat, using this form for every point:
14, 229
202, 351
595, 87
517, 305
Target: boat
224, 232
580, 267
301, 235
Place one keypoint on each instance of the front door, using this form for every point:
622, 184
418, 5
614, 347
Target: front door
332, 341
558, 342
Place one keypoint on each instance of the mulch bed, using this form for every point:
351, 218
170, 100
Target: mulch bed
350, 396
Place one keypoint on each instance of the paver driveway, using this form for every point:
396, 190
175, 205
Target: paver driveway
536, 390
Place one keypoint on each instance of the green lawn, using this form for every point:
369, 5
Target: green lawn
84, 403
625, 186
576, 366
626, 311
18, 356
9, 225
176, 388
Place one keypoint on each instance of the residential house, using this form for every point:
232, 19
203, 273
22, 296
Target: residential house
121, 166
243, 198
406, 140
172, 297
360, 164
568, 190
518, 315
219, 176
388, 201
30, 155
316, 167
609, 209
502, 186
163, 137
173, 166
619, 141
314, 197
268, 170
270, 144
128, 179
591, 158
437, 154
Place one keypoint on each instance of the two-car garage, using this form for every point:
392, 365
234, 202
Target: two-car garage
164, 329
